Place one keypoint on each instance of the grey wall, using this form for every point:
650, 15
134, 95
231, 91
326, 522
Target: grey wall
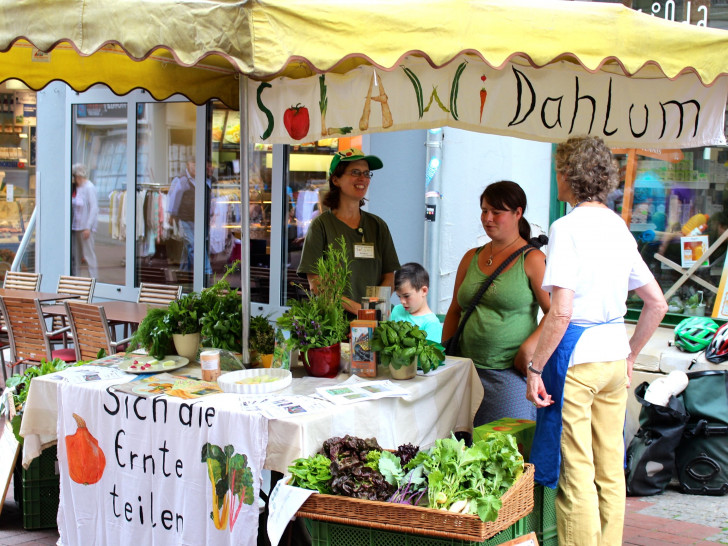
54, 176
397, 192
471, 161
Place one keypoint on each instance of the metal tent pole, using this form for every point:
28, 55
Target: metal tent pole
244, 216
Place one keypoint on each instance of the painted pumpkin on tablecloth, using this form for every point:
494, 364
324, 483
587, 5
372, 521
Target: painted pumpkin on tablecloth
86, 460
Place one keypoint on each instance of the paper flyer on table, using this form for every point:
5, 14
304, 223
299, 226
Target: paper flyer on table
283, 504
83, 374
171, 385
283, 407
356, 391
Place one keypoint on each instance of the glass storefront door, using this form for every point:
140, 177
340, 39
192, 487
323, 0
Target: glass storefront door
99, 135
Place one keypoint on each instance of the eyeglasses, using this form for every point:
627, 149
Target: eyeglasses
356, 173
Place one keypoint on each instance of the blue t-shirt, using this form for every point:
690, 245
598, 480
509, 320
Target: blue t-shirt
429, 322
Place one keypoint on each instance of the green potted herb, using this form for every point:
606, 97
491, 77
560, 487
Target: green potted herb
318, 323
402, 345
183, 317
154, 334
178, 323
222, 318
262, 340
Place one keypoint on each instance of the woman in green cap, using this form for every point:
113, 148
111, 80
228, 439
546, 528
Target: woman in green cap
371, 249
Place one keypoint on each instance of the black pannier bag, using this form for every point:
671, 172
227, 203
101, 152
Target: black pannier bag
702, 456
651, 453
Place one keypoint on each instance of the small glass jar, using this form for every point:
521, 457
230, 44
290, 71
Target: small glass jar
210, 364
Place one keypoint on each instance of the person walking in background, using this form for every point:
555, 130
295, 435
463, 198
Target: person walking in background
371, 248
84, 218
583, 361
182, 208
501, 333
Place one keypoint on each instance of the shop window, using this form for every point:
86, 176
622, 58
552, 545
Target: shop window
676, 205
99, 146
306, 184
224, 230
165, 194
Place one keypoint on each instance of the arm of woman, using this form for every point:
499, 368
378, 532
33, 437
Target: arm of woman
535, 266
452, 318
554, 325
653, 311
388, 280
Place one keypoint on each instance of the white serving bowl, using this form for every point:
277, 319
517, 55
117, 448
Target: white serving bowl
229, 382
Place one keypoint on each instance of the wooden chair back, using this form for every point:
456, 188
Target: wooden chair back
81, 287
20, 280
158, 293
26, 330
90, 329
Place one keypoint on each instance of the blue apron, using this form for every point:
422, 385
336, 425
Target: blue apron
546, 450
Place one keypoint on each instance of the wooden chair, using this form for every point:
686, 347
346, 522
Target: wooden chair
20, 280
17, 280
158, 293
83, 289
29, 336
91, 331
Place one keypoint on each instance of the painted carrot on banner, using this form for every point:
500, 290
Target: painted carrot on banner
483, 95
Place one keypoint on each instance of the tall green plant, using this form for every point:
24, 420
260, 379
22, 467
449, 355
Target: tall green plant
319, 320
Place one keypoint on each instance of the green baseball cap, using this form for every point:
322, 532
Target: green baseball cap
354, 154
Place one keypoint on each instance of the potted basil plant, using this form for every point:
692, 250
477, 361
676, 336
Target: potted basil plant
402, 345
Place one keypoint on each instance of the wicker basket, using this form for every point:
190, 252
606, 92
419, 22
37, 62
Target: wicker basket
517, 503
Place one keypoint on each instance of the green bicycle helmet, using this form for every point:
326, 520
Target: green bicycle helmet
694, 334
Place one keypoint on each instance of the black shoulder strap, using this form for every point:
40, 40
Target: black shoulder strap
535, 242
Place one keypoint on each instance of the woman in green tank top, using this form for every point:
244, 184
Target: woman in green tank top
501, 334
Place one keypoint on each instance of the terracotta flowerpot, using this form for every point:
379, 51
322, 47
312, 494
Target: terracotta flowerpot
323, 361
266, 360
187, 345
404, 372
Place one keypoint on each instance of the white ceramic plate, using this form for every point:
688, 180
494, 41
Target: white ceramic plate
149, 364
274, 379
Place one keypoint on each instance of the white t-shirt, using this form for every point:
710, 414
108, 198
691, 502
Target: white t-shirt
592, 252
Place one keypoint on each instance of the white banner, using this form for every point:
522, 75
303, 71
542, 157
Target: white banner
548, 104
157, 471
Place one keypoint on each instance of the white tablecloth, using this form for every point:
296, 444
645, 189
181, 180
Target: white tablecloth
437, 404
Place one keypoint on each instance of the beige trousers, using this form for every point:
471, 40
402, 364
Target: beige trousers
591, 498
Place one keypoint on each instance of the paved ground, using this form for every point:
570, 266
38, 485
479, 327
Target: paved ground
674, 518
670, 518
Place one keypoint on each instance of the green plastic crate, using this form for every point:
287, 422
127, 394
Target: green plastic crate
333, 534
41, 491
542, 521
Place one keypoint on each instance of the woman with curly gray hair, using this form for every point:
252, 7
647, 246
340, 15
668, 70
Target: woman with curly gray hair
582, 364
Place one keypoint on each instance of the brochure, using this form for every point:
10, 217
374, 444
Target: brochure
82, 374
284, 407
171, 385
360, 391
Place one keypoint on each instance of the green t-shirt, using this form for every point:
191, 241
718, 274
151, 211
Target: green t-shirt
429, 322
503, 319
326, 228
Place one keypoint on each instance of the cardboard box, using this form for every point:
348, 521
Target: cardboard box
363, 358
522, 429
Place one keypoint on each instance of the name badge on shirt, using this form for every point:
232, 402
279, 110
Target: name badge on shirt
364, 250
